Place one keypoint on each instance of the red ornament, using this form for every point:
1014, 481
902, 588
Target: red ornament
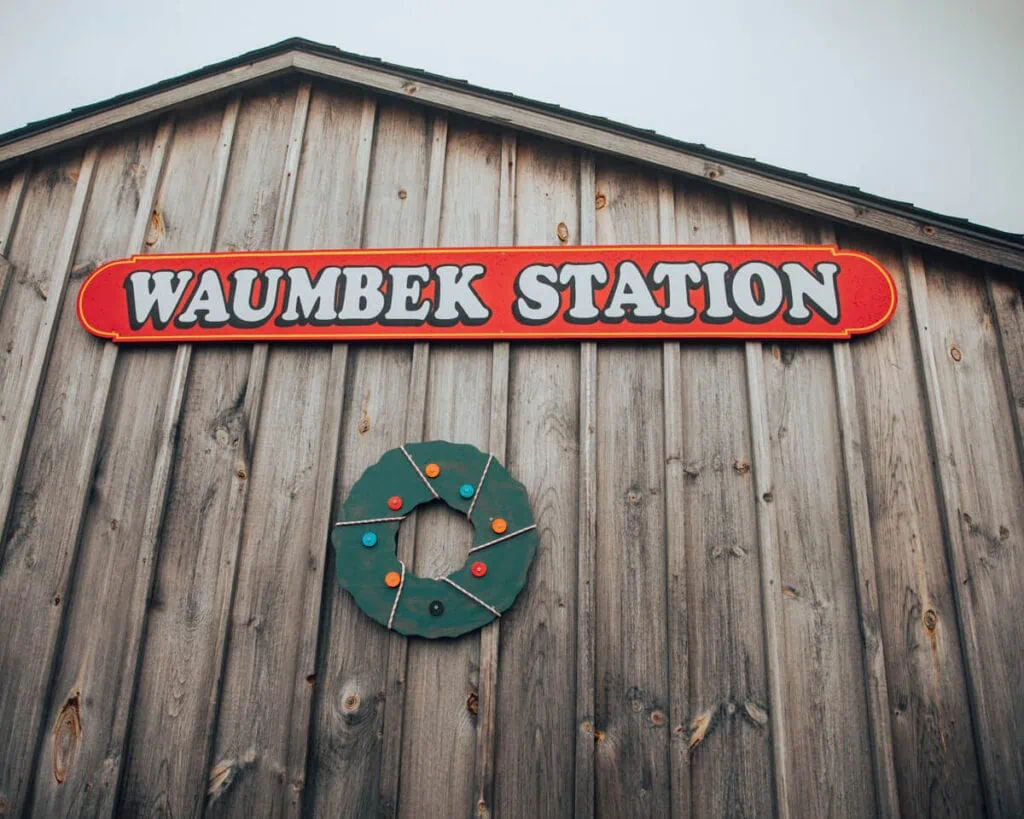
394, 502
478, 569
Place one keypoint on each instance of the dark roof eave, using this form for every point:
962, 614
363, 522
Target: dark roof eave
1013, 242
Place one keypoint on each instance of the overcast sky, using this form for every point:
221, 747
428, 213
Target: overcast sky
918, 100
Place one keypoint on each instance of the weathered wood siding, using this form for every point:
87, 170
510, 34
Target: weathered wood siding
780, 578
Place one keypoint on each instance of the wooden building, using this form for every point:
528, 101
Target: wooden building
774, 578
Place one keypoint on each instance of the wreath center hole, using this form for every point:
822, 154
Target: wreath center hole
443, 539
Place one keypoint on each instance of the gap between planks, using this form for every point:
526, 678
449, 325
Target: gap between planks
586, 731
398, 646
497, 444
675, 539
862, 542
771, 579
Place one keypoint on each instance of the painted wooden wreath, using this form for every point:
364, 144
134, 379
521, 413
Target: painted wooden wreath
467, 480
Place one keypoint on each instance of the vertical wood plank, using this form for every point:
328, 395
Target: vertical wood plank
398, 646
675, 537
825, 703
536, 672
586, 565
633, 777
30, 574
980, 480
351, 674
487, 700
31, 381
934, 750
771, 577
90, 658
184, 585
723, 732
439, 737
876, 685
14, 195
1007, 298
278, 570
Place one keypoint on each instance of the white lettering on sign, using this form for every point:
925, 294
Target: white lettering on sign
754, 292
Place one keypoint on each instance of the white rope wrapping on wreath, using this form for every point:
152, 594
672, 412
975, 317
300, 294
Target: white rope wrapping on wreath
368, 520
394, 606
470, 595
479, 485
422, 476
503, 537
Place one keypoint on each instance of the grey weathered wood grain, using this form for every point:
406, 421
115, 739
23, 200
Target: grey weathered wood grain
632, 757
346, 743
934, 751
192, 575
768, 544
586, 546
83, 780
676, 558
398, 646
721, 732
981, 483
276, 570
862, 541
439, 737
14, 193
23, 375
1007, 298
824, 680
487, 697
537, 668
30, 572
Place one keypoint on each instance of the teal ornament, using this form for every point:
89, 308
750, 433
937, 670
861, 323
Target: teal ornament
369, 539
464, 602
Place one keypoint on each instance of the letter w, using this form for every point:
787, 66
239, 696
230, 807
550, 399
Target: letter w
154, 296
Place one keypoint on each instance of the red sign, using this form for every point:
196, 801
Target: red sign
537, 293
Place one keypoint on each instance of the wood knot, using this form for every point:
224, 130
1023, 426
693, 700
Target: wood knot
954, 353
410, 87
242, 474
657, 718
789, 591
5, 806
712, 171
562, 232
742, 467
364, 424
66, 733
311, 678
481, 808
56, 600
768, 497
928, 230
402, 193
755, 713
634, 496
931, 621
473, 703
350, 702
600, 201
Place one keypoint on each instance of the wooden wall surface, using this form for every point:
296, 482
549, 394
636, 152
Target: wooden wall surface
773, 578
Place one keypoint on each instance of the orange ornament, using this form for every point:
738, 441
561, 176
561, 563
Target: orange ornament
392, 580
499, 525
432, 470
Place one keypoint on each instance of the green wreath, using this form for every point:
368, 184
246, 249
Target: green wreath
477, 485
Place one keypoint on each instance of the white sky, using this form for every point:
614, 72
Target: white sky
919, 100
